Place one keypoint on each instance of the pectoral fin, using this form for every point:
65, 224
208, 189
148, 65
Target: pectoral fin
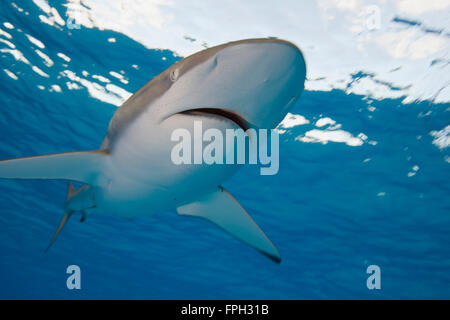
77, 166
223, 210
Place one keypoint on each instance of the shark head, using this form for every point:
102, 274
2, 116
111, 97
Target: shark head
266, 77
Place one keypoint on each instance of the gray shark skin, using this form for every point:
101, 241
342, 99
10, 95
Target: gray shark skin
244, 84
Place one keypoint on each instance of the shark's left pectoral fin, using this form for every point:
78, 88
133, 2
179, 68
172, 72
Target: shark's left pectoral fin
76, 166
223, 210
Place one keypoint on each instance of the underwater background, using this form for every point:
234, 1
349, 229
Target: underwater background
363, 180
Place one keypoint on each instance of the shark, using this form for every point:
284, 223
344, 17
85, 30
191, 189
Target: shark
244, 84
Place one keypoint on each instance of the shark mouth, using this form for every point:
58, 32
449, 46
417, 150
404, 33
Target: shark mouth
223, 113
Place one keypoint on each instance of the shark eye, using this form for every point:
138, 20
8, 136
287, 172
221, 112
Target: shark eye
173, 75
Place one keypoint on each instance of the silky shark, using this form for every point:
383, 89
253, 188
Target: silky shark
244, 84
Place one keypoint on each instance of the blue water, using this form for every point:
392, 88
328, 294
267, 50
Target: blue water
330, 213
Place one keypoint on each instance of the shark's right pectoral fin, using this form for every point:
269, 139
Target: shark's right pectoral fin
77, 166
223, 210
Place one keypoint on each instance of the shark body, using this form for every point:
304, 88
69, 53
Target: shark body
244, 84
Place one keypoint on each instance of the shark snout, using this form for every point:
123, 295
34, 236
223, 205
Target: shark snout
273, 83
254, 81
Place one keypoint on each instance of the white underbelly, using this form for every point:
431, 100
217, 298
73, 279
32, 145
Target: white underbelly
143, 179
